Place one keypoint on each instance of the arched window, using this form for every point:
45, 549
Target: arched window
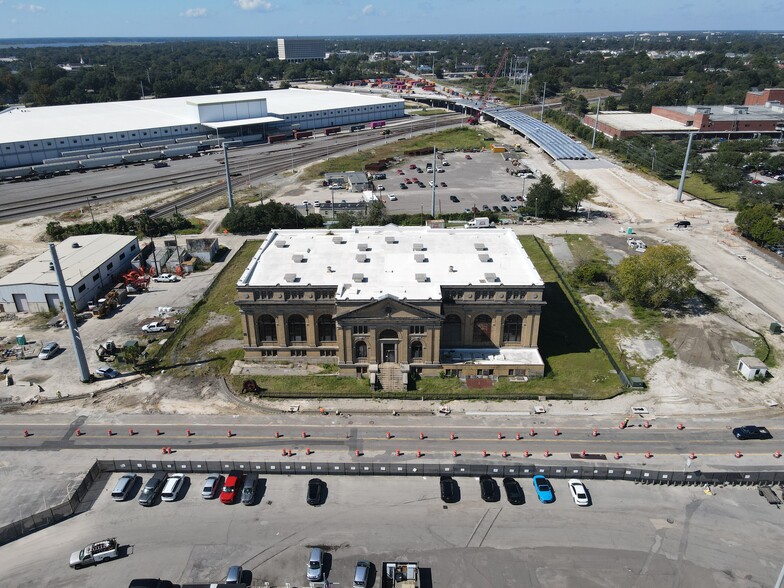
452, 331
416, 350
388, 334
296, 324
267, 329
513, 328
482, 327
326, 328
360, 352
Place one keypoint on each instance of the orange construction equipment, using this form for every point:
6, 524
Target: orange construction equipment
482, 103
500, 436
738, 454
229, 434
595, 432
547, 453
532, 433
26, 433
557, 432
647, 424
680, 426
526, 454
617, 455
419, 453
692, 456
517, 436
777, 454
648, 455
484, 453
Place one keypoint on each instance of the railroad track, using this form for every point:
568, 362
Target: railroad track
255, 162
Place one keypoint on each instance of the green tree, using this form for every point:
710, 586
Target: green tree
661, 276
544, 199
759, 223
610, 103
579, 190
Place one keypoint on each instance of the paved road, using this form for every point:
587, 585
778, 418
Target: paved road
382, 436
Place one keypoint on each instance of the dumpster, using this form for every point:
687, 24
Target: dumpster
21, 340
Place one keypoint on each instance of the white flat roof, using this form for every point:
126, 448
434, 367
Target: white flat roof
638, 121
365, 265
76, 262
492, 355
75, 120
244, 121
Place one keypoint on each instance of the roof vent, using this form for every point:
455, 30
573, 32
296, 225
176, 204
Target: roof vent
480, 247
485, 258
419, 246
358, 277
281, 244
390, 239
330, 270
420, 257
75, 245
490, 277
339, 240
421, 277
298, 258
362, 258
362, 246
290, 278
51, 265
452, 269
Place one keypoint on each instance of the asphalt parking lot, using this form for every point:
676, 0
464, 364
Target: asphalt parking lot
631, 535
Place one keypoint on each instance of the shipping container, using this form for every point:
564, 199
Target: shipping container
278, 138
332, 130
101, 162
15, 172
141, 156
377, 124
357, 128
302, 134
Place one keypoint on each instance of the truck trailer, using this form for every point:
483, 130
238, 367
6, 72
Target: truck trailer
397, 574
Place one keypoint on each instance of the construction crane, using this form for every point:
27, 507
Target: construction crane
482, 103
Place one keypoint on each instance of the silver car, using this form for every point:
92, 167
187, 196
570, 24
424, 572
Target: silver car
49, 350
211, 486
316, 564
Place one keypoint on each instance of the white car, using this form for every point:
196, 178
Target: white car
155, 327
392, 197
172, 488
380, 188
579, 493
166, 278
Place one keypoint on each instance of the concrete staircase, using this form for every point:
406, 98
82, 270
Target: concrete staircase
393, 377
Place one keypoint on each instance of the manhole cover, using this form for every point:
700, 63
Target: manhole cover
351, 422
372, 422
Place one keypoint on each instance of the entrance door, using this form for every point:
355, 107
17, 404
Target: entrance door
389, 352
20, 300
53, 302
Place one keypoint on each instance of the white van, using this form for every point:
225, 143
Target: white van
172, 488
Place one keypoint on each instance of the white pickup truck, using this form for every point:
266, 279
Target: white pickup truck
95, 553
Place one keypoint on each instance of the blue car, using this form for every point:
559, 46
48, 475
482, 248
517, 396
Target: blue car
543, 489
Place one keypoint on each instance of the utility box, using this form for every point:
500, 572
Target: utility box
775, 328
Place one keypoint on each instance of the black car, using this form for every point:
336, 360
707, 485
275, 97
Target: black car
454, 198
504, 209
315, 487
514, 494
504, 197
496, 209
751, 432
489, 487
450, 491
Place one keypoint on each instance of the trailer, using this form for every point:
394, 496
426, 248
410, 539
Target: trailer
378, 124
123, 147
141, 156
100, 162
46, 169
180, 151
332, 130
302, 135
768, 494
191, 138
396, 574
356, 128
277, 138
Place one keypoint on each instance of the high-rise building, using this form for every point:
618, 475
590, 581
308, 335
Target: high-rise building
301, 49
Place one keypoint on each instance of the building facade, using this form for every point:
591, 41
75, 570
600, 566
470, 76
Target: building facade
302, 49
467, 302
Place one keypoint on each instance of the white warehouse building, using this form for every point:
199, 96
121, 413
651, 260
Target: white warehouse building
106, 130
91, 264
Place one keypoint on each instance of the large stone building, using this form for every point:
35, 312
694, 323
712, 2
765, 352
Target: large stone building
390, 301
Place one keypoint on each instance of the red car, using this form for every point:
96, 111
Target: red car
412, 166
468, 157
231, 487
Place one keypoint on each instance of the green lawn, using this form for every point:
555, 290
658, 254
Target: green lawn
698, 188
448, 140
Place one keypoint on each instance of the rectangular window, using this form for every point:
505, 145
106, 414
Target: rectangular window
298, 353
122, 255
416, 329
328, 352
269, 352
110, 266
96, 276
82, 288
360, 330
453, 373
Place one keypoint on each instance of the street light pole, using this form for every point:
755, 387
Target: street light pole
91, 208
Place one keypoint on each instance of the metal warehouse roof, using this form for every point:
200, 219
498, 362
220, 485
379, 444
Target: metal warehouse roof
624, 120
76, 262
47, 122
412, 263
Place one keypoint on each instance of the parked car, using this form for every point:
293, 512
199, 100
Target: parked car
151, 489
544, 490
361, 575
514, 493
123, 487
450, 491
172, 488
211, 486
316, 565
454, 198
443, 184
579, 493
412, 166
504, 197
106, 372
504, 208
489, 488
467, 156
166, 278
234, 575
315, 487
249, 487
155, 327
380, 188
392, 197
231, 487
751, 432
496, 208
49, 350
